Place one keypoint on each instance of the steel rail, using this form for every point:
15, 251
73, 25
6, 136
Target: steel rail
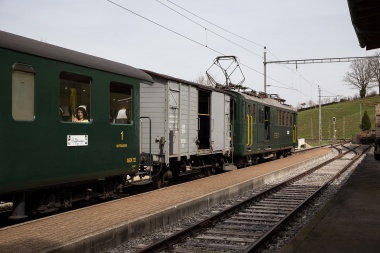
168, 242
263, 239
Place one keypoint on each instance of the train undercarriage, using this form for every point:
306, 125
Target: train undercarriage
48, 200
21, 205
159, 173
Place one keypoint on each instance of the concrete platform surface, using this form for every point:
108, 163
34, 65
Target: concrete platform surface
350, 222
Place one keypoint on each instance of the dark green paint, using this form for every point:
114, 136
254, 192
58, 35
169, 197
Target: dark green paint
278, 138
35, 153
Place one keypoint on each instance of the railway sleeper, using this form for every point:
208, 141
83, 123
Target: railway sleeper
214, 246
260, 219
262, 214
225, 238
233, 233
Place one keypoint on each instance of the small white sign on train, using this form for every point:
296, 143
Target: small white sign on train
77, 140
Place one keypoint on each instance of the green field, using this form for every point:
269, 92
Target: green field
348, 119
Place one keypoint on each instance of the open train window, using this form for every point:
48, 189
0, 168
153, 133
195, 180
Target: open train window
120, 103
74, 98
261, 115
204, 119
23, 92
291, 119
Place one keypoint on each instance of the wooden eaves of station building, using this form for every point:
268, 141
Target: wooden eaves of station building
365, 19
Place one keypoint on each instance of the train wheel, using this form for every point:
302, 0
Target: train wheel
240, 163
165, 178
176, 170
208, 171
158, 182
177, 167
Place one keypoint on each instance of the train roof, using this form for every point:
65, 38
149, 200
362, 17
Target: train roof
34, 47
171, 78
267, 99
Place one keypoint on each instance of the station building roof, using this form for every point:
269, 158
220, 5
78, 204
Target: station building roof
365, 19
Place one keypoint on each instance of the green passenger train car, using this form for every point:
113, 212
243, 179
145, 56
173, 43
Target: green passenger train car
263, 127
48, 146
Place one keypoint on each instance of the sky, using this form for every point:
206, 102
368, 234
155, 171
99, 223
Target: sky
182, 38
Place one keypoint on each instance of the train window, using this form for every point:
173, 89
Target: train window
291, 119
204, 103
232, 109
285, 118
283, 115
243, 106
254, 114
74, 98
23, 92
120, 103
261, 115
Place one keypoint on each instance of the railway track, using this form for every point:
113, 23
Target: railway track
249, 225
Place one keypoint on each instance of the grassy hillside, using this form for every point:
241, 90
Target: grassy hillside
347, 116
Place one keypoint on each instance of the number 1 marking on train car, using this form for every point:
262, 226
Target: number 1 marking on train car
122, 135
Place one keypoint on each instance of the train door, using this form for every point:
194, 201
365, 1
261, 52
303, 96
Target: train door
203, 119
293, 122
220, 117
232, 123
249, 125
227, 123
173, 118
267, 122
261, 125
121, 118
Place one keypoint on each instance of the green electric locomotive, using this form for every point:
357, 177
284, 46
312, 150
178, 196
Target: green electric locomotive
69, 125
263, 127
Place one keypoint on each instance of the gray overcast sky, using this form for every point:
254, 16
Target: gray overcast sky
290, 29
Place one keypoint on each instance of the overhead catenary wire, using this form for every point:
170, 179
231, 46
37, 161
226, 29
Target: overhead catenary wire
164, 27
241, 37
258, 44
179, 34
209, 30
199, 43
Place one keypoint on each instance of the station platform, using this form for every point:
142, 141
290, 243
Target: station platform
102, 227
350, 221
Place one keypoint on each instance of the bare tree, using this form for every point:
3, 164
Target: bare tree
326, 100
360, 76
374, 64
310, 103
300, 106
202, 79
